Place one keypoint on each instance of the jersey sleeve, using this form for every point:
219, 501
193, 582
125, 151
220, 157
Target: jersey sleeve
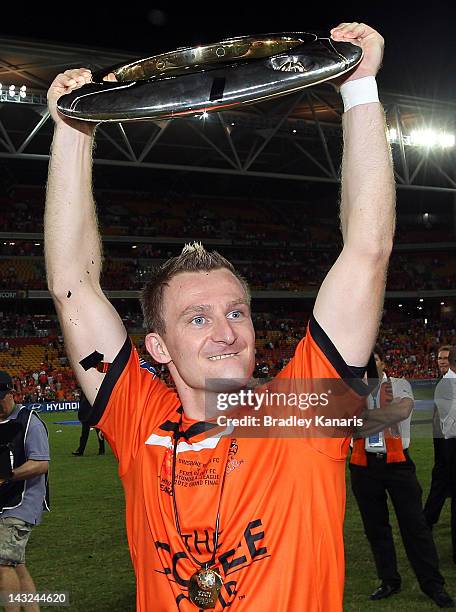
131, 401
316, 358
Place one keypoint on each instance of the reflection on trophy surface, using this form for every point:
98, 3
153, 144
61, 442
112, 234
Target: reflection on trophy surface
211, 77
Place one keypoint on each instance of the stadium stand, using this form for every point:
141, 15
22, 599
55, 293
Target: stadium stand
140, 231
409, 345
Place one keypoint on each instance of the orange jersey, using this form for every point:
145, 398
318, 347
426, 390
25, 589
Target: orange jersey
282, 503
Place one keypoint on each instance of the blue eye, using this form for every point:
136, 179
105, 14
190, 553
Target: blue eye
236, 314
198, 321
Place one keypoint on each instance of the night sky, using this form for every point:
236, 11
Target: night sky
420, 56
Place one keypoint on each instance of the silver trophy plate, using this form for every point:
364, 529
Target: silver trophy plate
211, 77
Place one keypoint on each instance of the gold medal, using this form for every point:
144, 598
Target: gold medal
204, 588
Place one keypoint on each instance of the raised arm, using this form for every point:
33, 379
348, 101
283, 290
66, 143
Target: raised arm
72, 243
350, 301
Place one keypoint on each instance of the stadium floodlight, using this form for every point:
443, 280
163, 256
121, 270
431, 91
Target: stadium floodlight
447, 140
16, 93
421, 300
425, 137
431, 138
400, 305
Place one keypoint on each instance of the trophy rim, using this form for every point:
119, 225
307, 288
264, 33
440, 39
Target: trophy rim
131, 71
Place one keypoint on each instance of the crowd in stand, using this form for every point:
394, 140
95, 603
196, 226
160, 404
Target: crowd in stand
26, 326
181, 219
410, 347
45, 384
410, 350
131, 214
264, 249
15, 214
301, 271
48, 380
283, 267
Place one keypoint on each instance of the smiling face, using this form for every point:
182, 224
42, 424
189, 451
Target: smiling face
209, 331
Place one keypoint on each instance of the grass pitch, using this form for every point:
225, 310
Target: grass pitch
81, 545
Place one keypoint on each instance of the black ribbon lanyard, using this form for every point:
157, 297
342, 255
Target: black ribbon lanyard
176, 436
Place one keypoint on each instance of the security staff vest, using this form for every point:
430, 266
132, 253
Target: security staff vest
12, 493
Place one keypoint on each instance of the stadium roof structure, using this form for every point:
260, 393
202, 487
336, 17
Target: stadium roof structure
292, 138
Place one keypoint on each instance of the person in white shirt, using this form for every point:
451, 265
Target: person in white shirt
440, 486
445, 400
380, 464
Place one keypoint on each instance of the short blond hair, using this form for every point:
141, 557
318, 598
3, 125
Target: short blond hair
193, 258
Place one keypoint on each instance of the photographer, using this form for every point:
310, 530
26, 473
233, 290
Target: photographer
24, 463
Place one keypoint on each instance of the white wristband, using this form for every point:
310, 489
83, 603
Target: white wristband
359, 91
